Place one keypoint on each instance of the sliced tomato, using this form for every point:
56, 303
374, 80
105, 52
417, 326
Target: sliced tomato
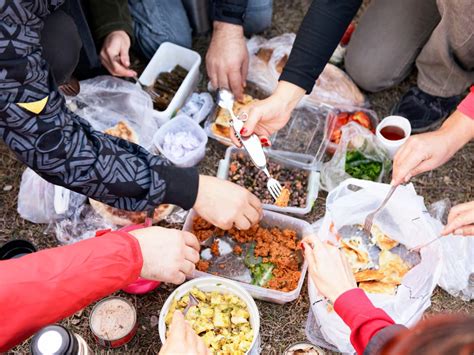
361, 118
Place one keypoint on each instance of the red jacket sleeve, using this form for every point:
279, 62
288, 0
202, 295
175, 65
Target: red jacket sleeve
365, 320
44, 287
467, 105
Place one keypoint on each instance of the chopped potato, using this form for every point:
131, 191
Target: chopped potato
222, 321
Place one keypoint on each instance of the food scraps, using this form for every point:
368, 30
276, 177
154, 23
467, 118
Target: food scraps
215, 248
284, 198
344, 118
166, 85
244, 173
222, 320
272, 254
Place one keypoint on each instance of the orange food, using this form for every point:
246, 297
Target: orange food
237, 250
215, 248
203, 265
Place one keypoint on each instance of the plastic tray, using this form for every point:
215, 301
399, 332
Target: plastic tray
331, 121
293, 160
177, 124
165, 59
270, 219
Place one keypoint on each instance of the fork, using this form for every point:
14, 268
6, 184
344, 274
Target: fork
193, 301
252, 144
369, 220
148, 89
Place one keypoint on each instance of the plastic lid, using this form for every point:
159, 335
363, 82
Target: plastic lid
303, 139
54, 339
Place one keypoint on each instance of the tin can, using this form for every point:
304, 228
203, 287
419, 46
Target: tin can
304, 348
113, 322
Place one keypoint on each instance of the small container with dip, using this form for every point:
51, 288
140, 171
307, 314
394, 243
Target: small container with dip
113, 322
303, 348
16, 249
392, 133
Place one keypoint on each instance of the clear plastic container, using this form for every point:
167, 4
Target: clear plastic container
331, 123
182, 123
286, 159
165, 59
237, 271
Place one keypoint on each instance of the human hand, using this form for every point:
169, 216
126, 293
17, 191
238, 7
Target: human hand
114, 54
328, 268
227, 58
168, 254
267, 116
225, 204
427, 151
461, 220
182, 339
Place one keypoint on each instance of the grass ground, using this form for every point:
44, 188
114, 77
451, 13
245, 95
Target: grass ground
281, 325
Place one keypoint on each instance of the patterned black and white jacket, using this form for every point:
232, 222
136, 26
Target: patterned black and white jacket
62, 147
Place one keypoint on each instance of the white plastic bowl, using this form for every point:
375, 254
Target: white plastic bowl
209, 284
179, 124
165, 59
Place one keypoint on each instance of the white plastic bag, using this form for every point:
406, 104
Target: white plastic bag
42, 202
104, 101
404, 219
355, 138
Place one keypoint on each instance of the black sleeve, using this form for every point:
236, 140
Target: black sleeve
107, 16
382, 338
230, 11
319, 34
62, 147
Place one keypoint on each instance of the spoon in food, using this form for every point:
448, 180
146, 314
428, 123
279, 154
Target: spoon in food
252, 144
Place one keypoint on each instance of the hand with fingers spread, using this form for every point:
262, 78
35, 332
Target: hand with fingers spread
427, 151
225, 204
114, 54
182, 339
328, 268
267, 116
227, 58
169, 255
461, 220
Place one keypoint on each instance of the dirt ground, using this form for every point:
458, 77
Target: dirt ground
281, 325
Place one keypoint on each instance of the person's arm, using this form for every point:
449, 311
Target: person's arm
47, 286
467, 105
62, 147
322, 29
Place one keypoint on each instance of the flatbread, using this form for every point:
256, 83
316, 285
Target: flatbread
369, 275
284, 198
378, 287
124, 131
392, 266
381, 240
223, 116
358, 258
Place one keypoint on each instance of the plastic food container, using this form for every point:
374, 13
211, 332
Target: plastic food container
304, 348
331, 122
209, 284
270, 219
165, 59
178, 124
293, 160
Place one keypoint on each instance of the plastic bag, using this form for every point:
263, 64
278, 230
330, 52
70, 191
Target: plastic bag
105, 100
457, 273
404, 219
42, 202
268, 58
358, 155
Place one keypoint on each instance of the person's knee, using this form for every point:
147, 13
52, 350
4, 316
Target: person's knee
258, 16
61, 45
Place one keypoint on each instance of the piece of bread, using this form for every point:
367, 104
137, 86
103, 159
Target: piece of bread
124, 131
378, 287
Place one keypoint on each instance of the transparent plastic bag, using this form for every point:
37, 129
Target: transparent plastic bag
268, 58
358, 153
42, 202
404, 219
104, 101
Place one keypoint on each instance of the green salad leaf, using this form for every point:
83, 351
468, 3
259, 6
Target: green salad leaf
361, 167
261, 272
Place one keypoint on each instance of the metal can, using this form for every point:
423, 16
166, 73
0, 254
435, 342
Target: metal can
56, 339
304, 348
113, 322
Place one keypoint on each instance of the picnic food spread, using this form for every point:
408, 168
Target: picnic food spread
166, 85
244, 173
272, 253
222, 320
383, 277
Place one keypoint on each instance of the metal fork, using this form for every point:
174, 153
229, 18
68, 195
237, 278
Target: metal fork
252, 144
193, 301
148, 89
369, 220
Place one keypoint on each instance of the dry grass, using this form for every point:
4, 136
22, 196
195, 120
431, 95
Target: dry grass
281, 325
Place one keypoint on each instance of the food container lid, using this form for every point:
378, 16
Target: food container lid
54, 339
304, 134
16, 249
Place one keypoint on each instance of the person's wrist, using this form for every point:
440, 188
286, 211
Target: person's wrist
459, 128
228, 29
288, 94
